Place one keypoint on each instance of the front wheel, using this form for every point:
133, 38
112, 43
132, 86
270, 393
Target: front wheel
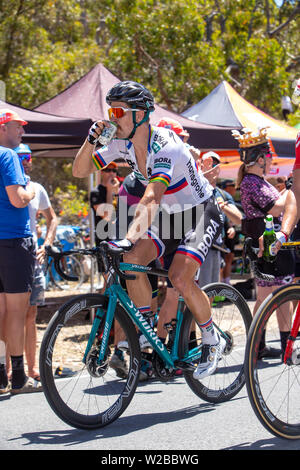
273, 386
232, 318
86, 394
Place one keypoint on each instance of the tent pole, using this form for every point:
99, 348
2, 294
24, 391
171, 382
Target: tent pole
92, 240
92, 229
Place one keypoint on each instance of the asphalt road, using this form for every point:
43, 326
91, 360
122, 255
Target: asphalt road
160, 417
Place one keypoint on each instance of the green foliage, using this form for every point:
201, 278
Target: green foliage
180, 49
73, 204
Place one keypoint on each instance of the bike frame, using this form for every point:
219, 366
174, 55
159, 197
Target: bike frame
116, 293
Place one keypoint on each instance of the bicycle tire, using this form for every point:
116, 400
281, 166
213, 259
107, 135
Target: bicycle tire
273, 387
79, 398
76, 270
232, 315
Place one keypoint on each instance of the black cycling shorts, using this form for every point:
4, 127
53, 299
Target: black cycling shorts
191, 232
17, 263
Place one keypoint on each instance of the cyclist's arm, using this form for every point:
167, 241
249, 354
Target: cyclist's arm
289, 219
279, 205
290, 216
83, 164
146, 211
296, 188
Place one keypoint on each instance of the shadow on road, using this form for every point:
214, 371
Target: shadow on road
123, 426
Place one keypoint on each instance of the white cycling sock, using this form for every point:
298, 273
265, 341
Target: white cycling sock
209, 333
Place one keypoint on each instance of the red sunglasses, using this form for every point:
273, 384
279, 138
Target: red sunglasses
119, 112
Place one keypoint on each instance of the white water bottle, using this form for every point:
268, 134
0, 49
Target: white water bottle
296, 93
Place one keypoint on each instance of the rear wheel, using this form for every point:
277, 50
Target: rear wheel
87, 395
232, 318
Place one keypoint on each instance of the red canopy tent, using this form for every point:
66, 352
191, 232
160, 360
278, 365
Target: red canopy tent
85, 99
49, 135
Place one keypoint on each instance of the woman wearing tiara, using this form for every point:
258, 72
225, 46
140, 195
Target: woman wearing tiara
259, 198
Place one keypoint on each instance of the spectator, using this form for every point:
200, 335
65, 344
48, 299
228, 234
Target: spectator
210, 165
102, 201
229, 186
17, 254
259, 198
42, 204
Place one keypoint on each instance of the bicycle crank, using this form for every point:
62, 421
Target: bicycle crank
161, 371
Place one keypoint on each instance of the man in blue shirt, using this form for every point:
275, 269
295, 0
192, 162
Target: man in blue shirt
17, 254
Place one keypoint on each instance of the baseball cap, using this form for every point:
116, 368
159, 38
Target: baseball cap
174, 125
22, 148
6, 115
213, 155
226, 183
110, 165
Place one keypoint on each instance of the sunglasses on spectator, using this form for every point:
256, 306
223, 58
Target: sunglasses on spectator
119, 112
108, 170
25, 156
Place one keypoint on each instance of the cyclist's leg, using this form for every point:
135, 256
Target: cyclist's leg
190, 255
182, 274
139, 290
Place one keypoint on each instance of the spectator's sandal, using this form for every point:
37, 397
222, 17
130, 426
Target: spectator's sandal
6, 389
31, 386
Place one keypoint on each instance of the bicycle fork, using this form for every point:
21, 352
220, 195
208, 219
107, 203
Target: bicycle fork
100, 314
291, 339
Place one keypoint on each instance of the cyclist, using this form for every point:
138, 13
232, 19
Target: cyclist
183, 196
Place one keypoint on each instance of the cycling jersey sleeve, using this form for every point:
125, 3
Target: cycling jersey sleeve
297, 149
106, 155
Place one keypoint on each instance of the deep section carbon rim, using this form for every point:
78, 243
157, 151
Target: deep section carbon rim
231, 315
87, 395
274, 387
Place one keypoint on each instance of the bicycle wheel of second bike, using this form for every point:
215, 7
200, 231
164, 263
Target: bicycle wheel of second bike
87, 395
274, 387
232, 318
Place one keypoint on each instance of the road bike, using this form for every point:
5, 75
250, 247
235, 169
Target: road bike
274, 384
92, 395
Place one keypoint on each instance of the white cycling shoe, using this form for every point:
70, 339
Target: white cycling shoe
211, 354
144, 344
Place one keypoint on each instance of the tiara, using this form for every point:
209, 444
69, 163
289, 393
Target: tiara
250, 138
